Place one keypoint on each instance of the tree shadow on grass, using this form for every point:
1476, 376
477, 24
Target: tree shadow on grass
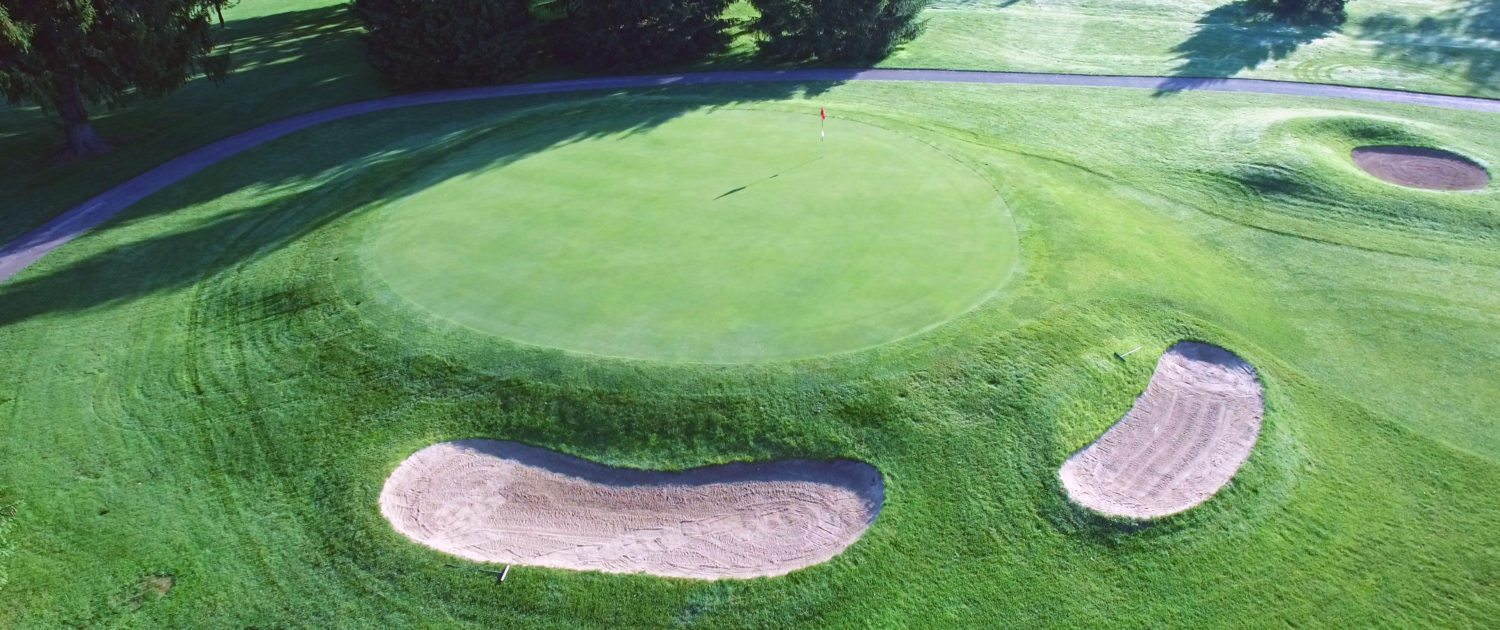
1241, 36
286, 58
314, 177
285, 64
1465, 39
975, 4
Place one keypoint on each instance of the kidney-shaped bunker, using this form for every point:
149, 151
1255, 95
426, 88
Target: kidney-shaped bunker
1182, 441
504, 502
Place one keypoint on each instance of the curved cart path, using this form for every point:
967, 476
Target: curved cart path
29, 248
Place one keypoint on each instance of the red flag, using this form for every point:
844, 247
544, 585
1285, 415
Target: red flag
823, 114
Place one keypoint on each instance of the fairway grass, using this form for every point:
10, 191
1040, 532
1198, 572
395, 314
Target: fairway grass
214, 386
720, 237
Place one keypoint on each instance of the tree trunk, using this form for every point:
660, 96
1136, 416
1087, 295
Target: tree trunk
82, 141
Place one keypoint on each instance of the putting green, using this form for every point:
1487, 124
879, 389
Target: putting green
727, 236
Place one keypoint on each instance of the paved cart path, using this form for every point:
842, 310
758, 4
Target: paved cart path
29, 248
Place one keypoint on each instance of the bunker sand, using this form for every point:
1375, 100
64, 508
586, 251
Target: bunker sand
1182, 441
504, 502
1421, 168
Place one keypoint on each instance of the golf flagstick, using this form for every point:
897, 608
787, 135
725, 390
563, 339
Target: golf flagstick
822, 135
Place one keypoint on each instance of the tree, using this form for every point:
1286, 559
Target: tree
448, 43
836, 30
628, 35
65, 54
1311, 7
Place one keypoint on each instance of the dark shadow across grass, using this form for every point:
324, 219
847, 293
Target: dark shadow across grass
284, 64
1240, 36
365, 166
1447, 41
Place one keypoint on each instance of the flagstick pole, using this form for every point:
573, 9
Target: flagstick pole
822, 135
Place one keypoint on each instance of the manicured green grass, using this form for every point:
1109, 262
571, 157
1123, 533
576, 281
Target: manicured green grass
213, 387
718, 237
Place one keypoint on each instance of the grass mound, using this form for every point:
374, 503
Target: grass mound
214, 387
1299, 178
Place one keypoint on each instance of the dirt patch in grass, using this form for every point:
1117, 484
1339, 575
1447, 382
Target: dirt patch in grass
1421, 168
1183, 440
149, 589
503, 502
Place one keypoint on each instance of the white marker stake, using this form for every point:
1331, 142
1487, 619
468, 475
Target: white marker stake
505, 573
1129, 353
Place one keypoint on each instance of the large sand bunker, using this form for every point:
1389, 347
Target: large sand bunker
1421, 168
1182, 441
503, 502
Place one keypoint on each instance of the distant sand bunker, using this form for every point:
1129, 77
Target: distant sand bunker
503, 502
1182, 441
1422, 168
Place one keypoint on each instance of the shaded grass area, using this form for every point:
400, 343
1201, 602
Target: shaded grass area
1460, 38
295, 56
1451, 46
213, 387
285, 64
380, 172
1244, 35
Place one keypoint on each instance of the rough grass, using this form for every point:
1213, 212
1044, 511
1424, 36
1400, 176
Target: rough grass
211, 388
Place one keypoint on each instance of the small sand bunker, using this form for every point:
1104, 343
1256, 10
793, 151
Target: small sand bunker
1182, 441
1421, 168
503, 502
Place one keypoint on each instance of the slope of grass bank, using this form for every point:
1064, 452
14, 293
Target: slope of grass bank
213, 388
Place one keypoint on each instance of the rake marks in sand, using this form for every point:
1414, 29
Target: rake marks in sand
1183, 440
503, 502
